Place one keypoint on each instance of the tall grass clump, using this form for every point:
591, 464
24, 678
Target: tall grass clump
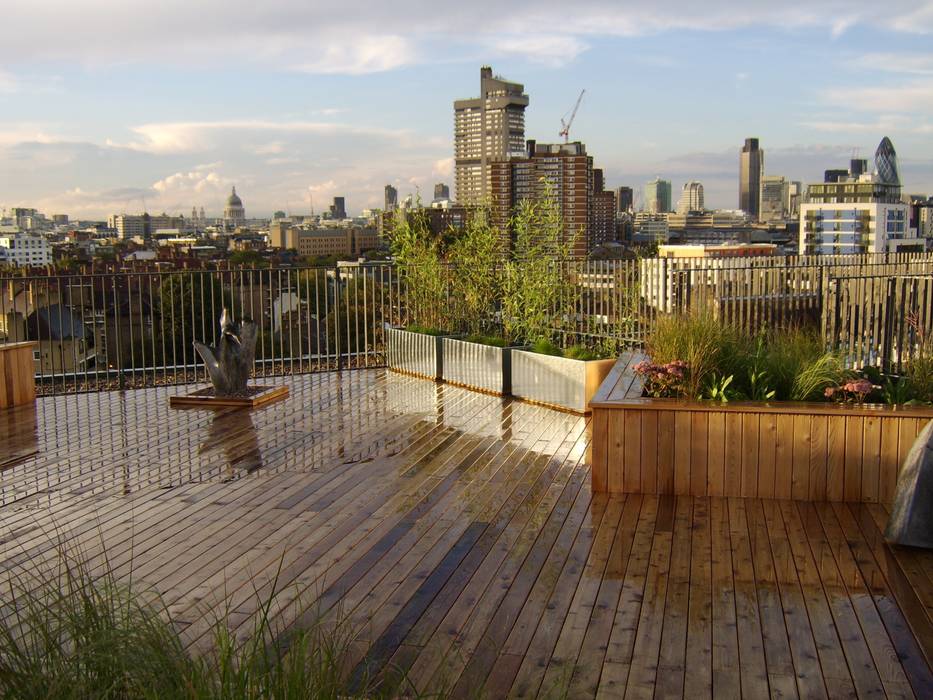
65, 635
709, 348
477, 275
800, 367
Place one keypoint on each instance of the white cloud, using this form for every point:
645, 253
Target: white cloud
191, 182
912, 96
908, 63
357, 55
192, 137
323, 39
443, 167
548, 49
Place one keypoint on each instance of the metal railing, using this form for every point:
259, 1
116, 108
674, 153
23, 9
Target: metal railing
118, 330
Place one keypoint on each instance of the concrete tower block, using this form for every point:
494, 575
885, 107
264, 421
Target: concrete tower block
911, 521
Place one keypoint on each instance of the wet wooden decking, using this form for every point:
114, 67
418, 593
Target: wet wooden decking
456, 535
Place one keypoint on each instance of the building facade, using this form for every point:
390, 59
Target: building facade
487, 128
773, 200
391, 198
858, 214
566, 169
25, 250
751, 168
625, 199
658, 196
691, 198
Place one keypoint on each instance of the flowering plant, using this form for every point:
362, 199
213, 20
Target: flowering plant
852, 391
663, 381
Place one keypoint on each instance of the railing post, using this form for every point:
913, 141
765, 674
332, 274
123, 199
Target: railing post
337, 315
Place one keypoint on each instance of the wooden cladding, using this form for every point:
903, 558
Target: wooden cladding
17, 374
658, 447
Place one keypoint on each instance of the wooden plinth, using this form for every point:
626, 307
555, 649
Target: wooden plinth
17, 374
204, 398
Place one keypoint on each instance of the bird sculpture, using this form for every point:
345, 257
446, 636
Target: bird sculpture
231, 361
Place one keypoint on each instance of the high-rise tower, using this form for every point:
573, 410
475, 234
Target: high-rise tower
487, 128
751, 167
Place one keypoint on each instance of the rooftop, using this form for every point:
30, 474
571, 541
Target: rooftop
458, 534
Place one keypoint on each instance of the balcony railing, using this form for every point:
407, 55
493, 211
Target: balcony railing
136, 329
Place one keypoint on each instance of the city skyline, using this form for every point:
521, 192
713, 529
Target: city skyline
164, 124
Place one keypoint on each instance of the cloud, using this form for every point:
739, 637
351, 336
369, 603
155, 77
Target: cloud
882, 125
191, 182
356, 55
8, 82
912, 96
553, 50
193, 137
908, 63
316, 38
443, 167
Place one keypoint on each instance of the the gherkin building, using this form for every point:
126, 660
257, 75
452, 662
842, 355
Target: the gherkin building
886, 163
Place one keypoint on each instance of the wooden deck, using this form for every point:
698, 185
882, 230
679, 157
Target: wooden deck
456, 534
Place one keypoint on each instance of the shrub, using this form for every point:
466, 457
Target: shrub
705, 345
67, 634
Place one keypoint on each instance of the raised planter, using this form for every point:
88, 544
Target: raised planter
560, 382
477, 366
790, 450
419, 354
17, 374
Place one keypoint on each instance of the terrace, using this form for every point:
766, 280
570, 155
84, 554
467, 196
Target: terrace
457, 534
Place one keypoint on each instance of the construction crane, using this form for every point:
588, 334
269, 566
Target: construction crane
565, 123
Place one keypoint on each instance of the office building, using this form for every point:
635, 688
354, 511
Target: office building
338, 210
658, 196
835, 175
441, 192
391, 198
691, 198
795, 194
25, 250
858, 214
341, 242
487, 128
567, 169
625, 199
234, 213
751, 168
774, 195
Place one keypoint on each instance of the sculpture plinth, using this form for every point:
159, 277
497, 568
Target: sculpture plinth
229, 365
911, 520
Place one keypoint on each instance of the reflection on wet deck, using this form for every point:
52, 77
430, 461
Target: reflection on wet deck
456, 533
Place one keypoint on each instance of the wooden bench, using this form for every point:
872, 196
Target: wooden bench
17, 374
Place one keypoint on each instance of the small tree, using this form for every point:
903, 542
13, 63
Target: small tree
420, 267
476, 260
537, 293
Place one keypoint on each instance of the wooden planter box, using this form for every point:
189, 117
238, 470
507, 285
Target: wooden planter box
560, 382
801, 451
17, 374
476, 366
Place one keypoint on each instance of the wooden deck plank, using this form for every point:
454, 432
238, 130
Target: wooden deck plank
457, 533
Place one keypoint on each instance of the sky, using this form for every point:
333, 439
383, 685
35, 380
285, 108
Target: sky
120, 106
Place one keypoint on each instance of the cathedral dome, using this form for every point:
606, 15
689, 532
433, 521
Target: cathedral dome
233, 200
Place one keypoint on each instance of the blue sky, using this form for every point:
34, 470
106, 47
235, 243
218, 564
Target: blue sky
108, 107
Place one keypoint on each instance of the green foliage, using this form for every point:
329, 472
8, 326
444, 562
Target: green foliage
247, 258
707, 346
190, 305
581, 352
718, 389
421, 269
896, 392
546, 347
476, 274
537, 298
816, 375
69, 635
493, 340
727, 364
426, 330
